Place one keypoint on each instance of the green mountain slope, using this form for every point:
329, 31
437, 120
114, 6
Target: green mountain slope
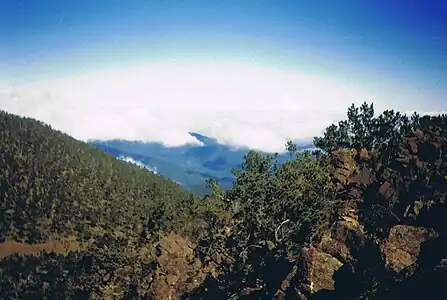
95, 214
66, 186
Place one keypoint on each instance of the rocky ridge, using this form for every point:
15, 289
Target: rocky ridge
389, 229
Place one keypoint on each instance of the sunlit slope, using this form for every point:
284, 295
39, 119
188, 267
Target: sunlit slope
52, 184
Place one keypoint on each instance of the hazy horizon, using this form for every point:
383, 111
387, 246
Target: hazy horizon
251, 74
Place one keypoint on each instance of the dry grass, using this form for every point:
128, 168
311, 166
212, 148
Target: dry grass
57, 245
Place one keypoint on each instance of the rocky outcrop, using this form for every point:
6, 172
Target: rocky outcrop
318, 263
388, 234
315, 271
345, 165
351, 174
401, 248
394, 203
403, 209
178, 269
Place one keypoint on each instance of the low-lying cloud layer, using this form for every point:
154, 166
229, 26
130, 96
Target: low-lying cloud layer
239, 105
138, 163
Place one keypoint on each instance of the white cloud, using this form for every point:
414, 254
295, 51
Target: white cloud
138, 163
238, 104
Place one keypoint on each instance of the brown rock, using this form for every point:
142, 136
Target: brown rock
386, 190
345, 235
401, 248
335, 248
413, 146
364, 154
315, 271
364, 177
178, 271
171, 279
349, 232
345, 165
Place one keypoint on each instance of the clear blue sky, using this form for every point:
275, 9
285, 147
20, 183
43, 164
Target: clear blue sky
404, 41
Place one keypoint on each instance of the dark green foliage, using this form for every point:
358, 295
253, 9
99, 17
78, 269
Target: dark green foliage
53, 186
274, 211
50, 276
79, 275
363, 130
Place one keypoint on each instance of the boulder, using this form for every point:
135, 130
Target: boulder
178, 269
315, 271
345, 165
401, 248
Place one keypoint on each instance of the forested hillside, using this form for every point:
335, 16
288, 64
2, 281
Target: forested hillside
364, 218
99, 215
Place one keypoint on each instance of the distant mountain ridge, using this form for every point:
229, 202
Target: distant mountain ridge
202, 138
189, 165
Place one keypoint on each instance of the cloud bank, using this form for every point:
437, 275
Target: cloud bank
138, 163
239, 105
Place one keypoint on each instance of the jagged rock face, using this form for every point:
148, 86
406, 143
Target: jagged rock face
351, 174
349, 232
318, 263
315, 271
178, 270
345, 165
401, 248
411, 187
421, 169
335, 248
345, 238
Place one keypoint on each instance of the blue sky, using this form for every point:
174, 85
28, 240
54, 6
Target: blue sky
391, 49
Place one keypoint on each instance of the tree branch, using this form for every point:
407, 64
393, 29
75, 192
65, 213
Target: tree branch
278, 228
